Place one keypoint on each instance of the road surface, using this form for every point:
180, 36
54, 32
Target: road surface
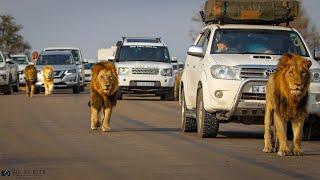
50, 138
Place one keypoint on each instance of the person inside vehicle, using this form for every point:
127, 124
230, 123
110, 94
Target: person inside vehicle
221, 47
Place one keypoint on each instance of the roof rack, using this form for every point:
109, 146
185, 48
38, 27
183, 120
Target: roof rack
264, 12
144, 39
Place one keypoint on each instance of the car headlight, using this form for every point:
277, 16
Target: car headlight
123, 70
3, 71
315, 75
166, 72
69, 72
225, 72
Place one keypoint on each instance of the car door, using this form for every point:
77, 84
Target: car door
191, 65
12, 68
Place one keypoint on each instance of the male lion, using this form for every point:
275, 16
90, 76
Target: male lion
286, 100
48, 79
30, 75
104, 87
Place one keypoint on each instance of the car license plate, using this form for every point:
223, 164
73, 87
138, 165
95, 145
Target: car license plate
259, 89
145, 83
56, 80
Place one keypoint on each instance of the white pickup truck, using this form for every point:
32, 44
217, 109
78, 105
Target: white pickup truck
226, 72
9, 74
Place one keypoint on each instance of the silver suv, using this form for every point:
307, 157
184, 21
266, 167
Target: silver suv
66, 74
9, 75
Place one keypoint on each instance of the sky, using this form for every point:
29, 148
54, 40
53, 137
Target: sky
95, 24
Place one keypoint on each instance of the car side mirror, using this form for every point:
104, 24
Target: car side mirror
111, 58
316, 55
196, 51
9, 61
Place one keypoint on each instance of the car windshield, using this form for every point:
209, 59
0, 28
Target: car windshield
88, 65
271, 42
20, 59
57, 59
144, 53
75, 53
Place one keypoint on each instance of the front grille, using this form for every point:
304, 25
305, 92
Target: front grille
58, 74
87, 75
254, 72
253, 96
149, 71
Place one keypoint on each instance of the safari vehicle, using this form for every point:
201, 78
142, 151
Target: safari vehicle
228, 65
9, 74
144, 67
66, 74
22, 60
77, 55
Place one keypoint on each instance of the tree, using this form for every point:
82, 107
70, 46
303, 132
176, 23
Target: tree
10, 39
308, 29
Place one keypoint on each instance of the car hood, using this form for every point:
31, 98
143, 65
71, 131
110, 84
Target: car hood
251, 59
22, 67
59, 67
143, 64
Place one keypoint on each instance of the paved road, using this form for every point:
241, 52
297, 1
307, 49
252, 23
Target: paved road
51, 135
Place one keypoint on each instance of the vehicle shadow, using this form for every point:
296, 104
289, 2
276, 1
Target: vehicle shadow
145, 129
240, 135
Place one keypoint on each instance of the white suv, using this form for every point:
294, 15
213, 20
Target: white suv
226, 71
144, 67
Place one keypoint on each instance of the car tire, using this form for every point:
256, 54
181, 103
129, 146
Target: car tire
76, 89
169, 96
188, 124
207, 124
16, 87
119, 95
8, 90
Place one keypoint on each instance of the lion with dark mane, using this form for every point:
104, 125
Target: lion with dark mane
286, 100
30, 75
104, 87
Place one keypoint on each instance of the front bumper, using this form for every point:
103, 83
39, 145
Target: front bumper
238, 99
145, 90
165, 81
66, 81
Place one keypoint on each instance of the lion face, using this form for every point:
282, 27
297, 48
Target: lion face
30, 73
295, 77
296, 74
106, 80
47, 73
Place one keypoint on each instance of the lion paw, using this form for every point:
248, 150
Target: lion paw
284, 152
93, 127
297, 152
268, 149
107, 129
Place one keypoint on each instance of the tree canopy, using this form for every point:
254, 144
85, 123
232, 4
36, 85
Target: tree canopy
10, 39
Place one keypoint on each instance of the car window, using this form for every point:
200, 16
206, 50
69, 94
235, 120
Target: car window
1, 59
204, 40
257, 41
